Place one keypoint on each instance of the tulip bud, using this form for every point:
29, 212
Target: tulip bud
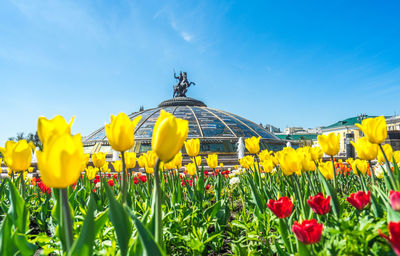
169, 134
308, 232
120, 132
212, 161
17, 155
329, 143
60, 162
99, 159
282, 207
394, 199
360, 199
192, 147
253, 144
374, 129
50, 127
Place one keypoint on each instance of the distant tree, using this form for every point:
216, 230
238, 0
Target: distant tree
141, 108
30, 137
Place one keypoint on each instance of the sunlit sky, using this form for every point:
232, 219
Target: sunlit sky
287, 63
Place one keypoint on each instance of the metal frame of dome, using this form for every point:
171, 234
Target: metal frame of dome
211, 126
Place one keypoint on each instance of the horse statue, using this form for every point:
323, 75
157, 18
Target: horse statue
182, 86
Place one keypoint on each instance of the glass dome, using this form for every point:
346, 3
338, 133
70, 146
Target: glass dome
218, 130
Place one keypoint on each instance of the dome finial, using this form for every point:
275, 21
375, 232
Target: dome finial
182, 86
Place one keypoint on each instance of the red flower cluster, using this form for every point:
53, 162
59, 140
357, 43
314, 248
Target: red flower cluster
142, 178
96, 179
394, 199
394, 236
308, 232
360, 199
282, 207
319, 204
41, 185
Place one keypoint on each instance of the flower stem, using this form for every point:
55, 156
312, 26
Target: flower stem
334, 172
156, 205
123, 187
388, 168
65, 218
22, 185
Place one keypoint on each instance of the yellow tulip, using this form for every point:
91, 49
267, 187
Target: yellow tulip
360, 165
105, 168
307, 162
149, 170
192, 147
267, 165
85, 161
150, 159
91, 172
130, 160
316, 153
30, 169
221, 165
212, 161
197, 159
142, 161
49, 127
1, 160
247, 162
326, 169
60, 162
117, 165
329, 143
374, 129
264, 155
17, 155
253, 144
191, 169
169, 134
120, 132
388, 152
99, 159
170, 165
365, 150
178, 160
290, 161
396, 156
236, 167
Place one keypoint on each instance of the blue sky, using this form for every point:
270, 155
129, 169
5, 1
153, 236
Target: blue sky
287, 63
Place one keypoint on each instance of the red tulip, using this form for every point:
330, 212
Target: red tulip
394, 239
394, 198
282, 207
319, 204
360, 199
143, 178
111, 183
308, 232
208, 186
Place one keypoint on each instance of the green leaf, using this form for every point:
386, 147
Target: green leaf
18, 211
256, 196
7, 246
149, 244
23, 245
302, 249
120, 220
331, 192
100, 221
84, 244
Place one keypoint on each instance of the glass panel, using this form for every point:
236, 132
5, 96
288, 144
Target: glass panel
212, 147
211, 126
186, 113
237, 127
97, 136
258, 129
276, 147
146, 130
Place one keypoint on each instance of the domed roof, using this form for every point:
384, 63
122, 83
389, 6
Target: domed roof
204, 122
